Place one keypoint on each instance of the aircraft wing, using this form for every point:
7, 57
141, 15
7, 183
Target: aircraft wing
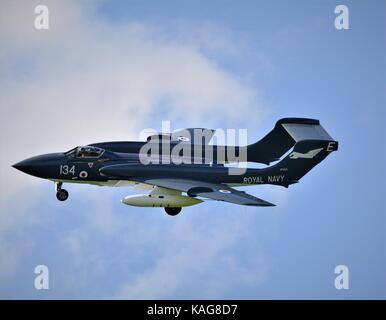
220, 192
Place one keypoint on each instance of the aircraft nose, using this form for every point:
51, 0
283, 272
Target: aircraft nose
28, 166
38, 166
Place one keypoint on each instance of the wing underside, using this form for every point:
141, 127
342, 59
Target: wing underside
219, 192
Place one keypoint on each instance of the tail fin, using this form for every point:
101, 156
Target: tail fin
283, 137
305, 155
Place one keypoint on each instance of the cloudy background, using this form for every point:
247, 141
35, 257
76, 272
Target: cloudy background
105, 70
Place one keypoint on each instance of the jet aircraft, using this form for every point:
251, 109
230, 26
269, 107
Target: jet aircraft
296, 145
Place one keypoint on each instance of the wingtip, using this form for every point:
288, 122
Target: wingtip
267, 204
261, 204
270, 205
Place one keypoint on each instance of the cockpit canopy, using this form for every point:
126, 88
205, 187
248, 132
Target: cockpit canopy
89, 152
84, 152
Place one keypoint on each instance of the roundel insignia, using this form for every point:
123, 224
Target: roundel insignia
224, 191
183, 139
83, 174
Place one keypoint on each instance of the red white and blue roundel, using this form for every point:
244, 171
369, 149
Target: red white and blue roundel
83, 174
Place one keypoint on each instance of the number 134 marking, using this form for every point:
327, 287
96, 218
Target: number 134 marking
65, 169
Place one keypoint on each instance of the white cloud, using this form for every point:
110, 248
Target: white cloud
87, 80
200, 260
84, 81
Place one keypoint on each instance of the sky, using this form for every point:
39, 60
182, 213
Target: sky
105, 70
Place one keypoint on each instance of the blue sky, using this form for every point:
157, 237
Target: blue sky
122, 66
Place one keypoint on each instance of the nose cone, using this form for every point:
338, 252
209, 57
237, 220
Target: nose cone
22, 166
27, 166
38, 166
